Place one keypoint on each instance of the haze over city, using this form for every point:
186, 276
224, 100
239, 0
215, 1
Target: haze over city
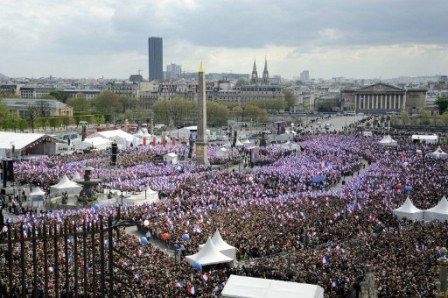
357, 39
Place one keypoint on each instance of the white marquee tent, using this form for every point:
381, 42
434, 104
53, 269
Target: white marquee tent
438, 212
222, 152
27, 143
209, 254
409, 211
95, 142
251, 287
222, 246
37, 195
438, 153
151, 196
171, 158
429, 139
122, 138
66, 185
388, 141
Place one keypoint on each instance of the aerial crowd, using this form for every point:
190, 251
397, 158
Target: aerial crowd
321, 214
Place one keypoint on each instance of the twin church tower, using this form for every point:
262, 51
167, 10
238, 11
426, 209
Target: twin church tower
264, 79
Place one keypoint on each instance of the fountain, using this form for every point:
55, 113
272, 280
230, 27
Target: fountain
87, 195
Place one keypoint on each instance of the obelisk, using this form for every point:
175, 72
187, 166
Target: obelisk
201, 139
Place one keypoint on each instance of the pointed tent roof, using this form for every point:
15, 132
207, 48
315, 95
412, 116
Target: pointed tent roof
76, 176
238, 143
208, 255
66, 183
408, 207
387, 140
219, 242
37, 192
438, 153
441, 207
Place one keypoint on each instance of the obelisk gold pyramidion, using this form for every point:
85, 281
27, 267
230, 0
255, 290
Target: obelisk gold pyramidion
201, 139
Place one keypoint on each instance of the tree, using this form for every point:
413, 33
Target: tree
405, 118
108, 103
10, 119
425, 118
79, 104
290, 99
241, 82
253, 113
442, 103
237, 112
444, 119
59, 95
217, 114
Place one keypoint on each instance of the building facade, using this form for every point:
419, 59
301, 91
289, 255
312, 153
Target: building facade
35, 92
155, 55
305, 76
383, 98
173, 71
45, 107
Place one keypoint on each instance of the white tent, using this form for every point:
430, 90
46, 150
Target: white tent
388, 141
171, 158
122, 138
150, 196
438, 153
208, 255
429, 139
251, 287
238, 143
409, 211
438, 212
222, 152
247, 143
222, 246
37, 195
95, 142
27, 143
66, 185
76, 176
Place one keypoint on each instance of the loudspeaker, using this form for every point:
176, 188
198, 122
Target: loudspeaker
10, 170
113, 160
4, 173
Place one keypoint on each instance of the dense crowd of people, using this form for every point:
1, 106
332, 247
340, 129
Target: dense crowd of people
300, 216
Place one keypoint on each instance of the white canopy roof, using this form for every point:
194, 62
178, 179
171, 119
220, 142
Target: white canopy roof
37, 192
251, 287
438, 153
208, 255
76, 176
428, 138
387, 140
238, 143
20, 140
66, 183
409, 211
222, 246
96, 142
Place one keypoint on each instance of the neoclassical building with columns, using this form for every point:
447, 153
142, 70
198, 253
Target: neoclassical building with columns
382, 98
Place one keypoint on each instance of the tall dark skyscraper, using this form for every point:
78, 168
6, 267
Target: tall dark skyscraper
155, 54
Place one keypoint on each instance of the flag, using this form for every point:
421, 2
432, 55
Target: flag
180, 284
325, 260
205, 277
191, 290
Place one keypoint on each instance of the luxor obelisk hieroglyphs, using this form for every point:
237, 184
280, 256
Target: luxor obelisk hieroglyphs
201, 139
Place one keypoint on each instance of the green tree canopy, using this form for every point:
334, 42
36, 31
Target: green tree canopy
290, 99
59, 95
442, 103
80, 104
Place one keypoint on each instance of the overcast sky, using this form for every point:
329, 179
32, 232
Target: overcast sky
351, 38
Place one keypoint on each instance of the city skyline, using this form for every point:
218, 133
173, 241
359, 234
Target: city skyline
354, 39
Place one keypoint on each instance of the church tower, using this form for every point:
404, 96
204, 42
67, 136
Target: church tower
265, 78
254, 78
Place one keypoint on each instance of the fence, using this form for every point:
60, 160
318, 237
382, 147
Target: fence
63, 259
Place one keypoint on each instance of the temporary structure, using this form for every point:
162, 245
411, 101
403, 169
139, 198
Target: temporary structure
209, 254
438, 212
222, 152
122, 138
429, 139
250, 287
438, 153
409, 211
222, 246
37, 195
96, 143
66, 185
145, 197
388, 141
27, 144
171, 158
